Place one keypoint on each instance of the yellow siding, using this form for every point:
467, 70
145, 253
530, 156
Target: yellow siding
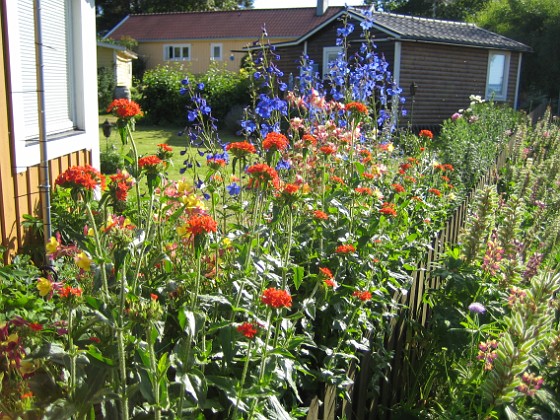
153, 53
104, 57
124, 71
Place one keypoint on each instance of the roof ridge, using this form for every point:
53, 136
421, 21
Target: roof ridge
229, 11
421, 18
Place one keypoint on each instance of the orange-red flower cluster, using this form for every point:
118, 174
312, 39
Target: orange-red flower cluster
444, 167
364, 191
247, 329
164, 151
327, 276
241, 149
328, 150
345, 249
290, 189
363, 295
435, 191
398, 188
124, 108
321, 215
358, 107
121, 183
263, 175
86, 177
149, 163
276, 298
337, 179
199, 224
388, 209
275, 141
309, 140
426, 133
68, 291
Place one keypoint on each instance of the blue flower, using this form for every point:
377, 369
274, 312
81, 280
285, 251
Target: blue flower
200, 86
283, 165
185, 81
477, 308
233, 189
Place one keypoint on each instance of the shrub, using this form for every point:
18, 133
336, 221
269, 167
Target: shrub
105, 86
224, 89
160, 98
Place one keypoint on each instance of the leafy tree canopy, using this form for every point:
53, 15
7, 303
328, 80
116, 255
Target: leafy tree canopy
537, 24
442, 9
111, 12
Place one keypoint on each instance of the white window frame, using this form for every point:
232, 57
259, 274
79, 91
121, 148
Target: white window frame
492, 93
166, 56
327, 53
83, 95
212, 47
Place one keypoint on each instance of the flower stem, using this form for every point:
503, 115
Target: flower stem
241, 383
153, 368
99, 254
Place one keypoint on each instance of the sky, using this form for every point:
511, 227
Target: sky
281, 4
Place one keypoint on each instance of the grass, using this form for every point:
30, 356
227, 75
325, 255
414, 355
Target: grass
147, 137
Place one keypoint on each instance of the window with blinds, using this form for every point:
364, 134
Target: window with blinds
57, 67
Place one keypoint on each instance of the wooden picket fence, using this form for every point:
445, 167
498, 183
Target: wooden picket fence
402, 340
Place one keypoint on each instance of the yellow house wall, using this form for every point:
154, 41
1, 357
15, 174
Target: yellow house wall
153, 53
104, 57
124, 71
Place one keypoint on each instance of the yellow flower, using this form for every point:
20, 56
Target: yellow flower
44, 286
83, 261
390, 147
192, 201
182, 230
226, 242
28, 366
184, 186
52, 246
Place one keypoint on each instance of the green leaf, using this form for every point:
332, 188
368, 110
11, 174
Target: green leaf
299, 273
97, 355
187, 321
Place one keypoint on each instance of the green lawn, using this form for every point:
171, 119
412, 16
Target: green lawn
147, 137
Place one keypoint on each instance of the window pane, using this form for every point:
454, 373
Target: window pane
496, 73
169, 53
186, 52
177, 52
217, 53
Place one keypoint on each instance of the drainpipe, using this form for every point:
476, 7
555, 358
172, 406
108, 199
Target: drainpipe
44, 180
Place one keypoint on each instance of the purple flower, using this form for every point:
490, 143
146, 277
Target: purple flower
456, 116
477, 308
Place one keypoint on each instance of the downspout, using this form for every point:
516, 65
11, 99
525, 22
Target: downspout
44, 179
517, 82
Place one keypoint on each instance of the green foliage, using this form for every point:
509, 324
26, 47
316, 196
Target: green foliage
105, 87
160, 97
537, 24
224, 89
473, 138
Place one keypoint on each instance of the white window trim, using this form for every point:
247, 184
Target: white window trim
166, 46
505, 82
27, 154
326, 52
214, 45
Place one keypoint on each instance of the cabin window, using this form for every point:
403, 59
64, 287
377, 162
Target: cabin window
67, 33
178, 52
216, 52
497, 77
330, 54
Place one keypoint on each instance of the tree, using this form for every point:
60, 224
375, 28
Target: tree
537, 24
442, 9
111, 12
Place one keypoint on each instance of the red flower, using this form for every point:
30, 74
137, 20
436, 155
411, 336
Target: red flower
164, 147
241, 149
153, 296
124, 108
435, 191
388, 209
96, 340
247, 329
398, 188
367, 175
364, 191
263, 175
275, 141
68, 291
215, 163
35, 326
326, 273
345, 249
363, 295
357, 107
290, 189
328, 150
309, 140
276, 298
337, 179
200, 224
120, 184
164, 151
426, 133
78, 177
318, 214
149, 163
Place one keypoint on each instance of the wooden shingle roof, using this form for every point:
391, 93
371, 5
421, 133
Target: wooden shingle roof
247, 23
405, 27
